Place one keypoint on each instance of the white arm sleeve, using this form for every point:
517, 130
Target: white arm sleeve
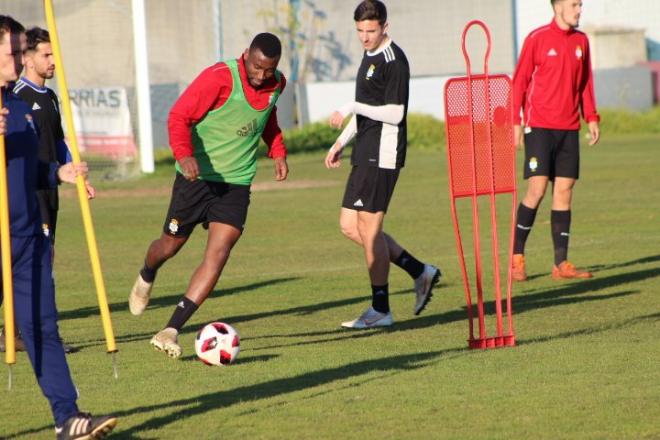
388, 113
349, 131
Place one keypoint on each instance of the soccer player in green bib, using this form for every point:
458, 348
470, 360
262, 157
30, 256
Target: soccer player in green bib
214, 129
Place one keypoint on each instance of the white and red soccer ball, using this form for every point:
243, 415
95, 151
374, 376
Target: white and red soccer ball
217, 343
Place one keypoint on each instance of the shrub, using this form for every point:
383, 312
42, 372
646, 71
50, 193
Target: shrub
312, 137
424, 132
428, 133
629, 122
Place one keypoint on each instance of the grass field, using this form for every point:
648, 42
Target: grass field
587, 364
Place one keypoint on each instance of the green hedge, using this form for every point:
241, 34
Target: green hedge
424, 132
628, 122
428, 133
312, 137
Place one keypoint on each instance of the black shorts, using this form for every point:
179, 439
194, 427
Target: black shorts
203, 202
370, 189
552, 153
48, 206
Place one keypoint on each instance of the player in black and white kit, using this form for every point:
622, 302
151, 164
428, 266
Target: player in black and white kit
379, 124
31, 88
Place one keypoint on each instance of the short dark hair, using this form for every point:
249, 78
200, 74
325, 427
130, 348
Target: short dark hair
8, 24
268, 44
371, 10
36, 36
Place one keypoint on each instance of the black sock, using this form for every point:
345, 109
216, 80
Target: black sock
524, 222
182, 313
380, 298
560, 224
410, 264
148, 274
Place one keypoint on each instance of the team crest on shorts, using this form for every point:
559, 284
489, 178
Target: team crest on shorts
45, 229
533, 164
173, 226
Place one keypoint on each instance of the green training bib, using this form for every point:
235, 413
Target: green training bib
225, 141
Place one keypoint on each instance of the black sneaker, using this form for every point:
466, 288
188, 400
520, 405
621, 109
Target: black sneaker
18, 342
69, 348
83, 426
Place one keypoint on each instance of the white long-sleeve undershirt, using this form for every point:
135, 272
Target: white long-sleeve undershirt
388, 113
348, 133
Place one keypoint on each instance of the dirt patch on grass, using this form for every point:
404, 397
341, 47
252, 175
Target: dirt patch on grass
165, 191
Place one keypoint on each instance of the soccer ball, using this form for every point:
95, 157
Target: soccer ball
217, 343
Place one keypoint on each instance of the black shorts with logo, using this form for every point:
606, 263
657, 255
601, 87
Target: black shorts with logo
203, 202
48, 207
552, 153
370, 188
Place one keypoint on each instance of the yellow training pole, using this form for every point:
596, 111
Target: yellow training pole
5, 244
80, 181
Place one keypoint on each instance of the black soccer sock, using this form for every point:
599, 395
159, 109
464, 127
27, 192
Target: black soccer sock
410, 264
148, 274
182, 313
560, 224
380, 298
524, 222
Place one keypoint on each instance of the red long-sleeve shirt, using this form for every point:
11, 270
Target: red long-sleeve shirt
553, 82
208, 92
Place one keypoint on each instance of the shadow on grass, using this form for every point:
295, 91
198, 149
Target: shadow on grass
170, 300
595, 268
190, 407
297, 311
563, 294
242, 360
643, 260
387, 366
590, 331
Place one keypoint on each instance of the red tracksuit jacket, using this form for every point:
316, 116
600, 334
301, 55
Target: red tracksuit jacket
553, 80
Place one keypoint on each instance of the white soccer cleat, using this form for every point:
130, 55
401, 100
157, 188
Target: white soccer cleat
138, 300
424, 287
166, 340
369, 319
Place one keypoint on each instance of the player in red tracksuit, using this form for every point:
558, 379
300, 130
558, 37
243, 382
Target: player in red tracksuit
553, 85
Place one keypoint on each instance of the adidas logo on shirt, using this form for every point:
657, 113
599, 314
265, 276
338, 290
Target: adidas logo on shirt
249, 129
552, 52
358, 203
36, 106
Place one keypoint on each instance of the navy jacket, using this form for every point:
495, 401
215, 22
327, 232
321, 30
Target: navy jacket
25, 174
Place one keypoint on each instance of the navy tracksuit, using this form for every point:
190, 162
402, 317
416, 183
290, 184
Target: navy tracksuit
32, 267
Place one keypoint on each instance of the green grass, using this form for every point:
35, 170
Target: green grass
586, 365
